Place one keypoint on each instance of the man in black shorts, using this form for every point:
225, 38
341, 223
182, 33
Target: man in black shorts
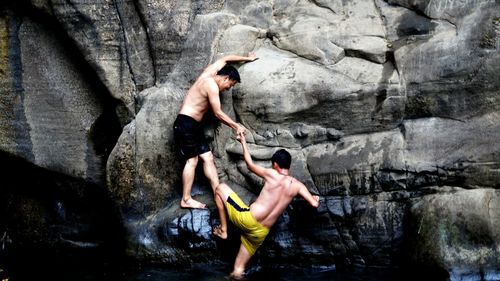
202, 96
189, 137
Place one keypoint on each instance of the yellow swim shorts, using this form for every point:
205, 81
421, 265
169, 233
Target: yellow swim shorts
239, 214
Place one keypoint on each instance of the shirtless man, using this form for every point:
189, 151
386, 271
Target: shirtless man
202, 96
255, 221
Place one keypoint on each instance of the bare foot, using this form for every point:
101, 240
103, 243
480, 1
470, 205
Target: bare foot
237, 276
219, 232
192, 204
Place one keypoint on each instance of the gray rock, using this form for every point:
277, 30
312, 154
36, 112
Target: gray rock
196, 222
354, 163
454, 150
97, 30
296, 90
52, 112
456, 231
146, 151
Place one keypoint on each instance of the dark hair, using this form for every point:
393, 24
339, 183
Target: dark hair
230, 71
282, 158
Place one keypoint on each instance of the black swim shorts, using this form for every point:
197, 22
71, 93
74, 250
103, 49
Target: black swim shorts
189, 138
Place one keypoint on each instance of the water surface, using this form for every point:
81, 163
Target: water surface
202, 272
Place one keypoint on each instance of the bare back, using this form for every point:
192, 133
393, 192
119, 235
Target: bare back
275, 196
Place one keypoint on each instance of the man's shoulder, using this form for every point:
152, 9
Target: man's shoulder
203, 84
296, 184
270, 172
206, 81
209, 72
297, 181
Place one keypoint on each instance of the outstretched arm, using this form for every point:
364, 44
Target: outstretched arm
313, 200
256, 169
214, 99
220, 63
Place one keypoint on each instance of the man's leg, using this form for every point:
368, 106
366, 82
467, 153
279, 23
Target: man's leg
241, 262
187, 183
211, 173
210, 169
222, 192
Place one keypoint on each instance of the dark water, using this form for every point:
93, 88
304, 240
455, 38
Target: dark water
201, 272
286, 274
105, 266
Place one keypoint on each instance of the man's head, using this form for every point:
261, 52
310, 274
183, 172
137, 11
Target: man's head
230, 77
282, 158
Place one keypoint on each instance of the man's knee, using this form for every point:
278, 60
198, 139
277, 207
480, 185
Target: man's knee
220, 188
207, 156
223, 190
192, 161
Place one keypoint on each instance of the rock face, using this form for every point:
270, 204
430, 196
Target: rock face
456, 231
390, 109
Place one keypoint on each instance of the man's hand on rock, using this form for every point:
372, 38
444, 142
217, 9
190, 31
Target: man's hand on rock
252, 56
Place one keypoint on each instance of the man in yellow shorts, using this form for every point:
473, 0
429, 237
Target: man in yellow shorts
255, 221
